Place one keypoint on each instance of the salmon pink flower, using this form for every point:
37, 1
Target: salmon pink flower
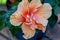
12, 1
32, 15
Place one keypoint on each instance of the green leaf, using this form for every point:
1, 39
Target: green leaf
2, 25
52, 20
58, 2
3, 2
14, 30
2, 13
2, 19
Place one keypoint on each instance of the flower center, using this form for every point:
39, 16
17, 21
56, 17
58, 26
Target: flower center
28, 15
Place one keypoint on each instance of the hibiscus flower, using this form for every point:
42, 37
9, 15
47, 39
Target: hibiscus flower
32, 15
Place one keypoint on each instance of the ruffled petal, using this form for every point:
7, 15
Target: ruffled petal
40, 20
45, 11
23, 6
34, 4
41, 16
16, 19
28, 32
41, 27
34, 26
42, 23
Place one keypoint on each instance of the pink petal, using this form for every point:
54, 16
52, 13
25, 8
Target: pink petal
28, 32
34, 4
45, 11
16, 19
41, 27
23, 6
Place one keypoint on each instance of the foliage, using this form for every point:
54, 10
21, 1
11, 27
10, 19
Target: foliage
2, 19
